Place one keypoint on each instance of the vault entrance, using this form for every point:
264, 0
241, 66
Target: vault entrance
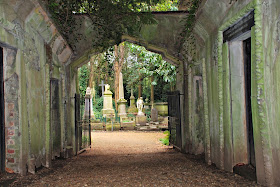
238, 39
2, 121
247, 73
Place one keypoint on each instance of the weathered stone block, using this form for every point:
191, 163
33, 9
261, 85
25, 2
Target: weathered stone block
141, 119
154, 114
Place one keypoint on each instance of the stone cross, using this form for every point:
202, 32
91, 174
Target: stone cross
102, 84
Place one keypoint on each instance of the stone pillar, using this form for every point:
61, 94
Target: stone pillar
121, 102
108, 110
88, 104
132, 108
154, 115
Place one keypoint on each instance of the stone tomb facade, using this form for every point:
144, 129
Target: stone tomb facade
32, 130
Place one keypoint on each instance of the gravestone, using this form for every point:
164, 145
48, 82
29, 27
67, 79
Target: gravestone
154, 115
108, 110
141, 119
88, 105
121, 102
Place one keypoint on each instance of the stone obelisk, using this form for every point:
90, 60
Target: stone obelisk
132, 108
121, 102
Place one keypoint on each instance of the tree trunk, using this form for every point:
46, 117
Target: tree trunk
140, 89
92, 76
118, 68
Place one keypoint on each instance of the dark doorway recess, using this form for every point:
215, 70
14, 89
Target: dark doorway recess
247, 71
55, 119
2, 112
248, 170
174, 121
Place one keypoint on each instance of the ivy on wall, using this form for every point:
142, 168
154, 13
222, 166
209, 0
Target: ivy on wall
110, 18
190, 19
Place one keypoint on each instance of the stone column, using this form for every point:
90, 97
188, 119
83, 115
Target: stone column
108, 110
132, 108
121, 102
88, 104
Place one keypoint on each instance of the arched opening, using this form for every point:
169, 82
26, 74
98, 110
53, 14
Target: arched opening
140, 73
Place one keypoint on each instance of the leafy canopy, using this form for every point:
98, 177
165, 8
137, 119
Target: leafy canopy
111, 18
142, 63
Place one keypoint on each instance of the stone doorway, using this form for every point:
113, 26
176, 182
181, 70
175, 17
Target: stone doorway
2, 117
237, 43
241, 109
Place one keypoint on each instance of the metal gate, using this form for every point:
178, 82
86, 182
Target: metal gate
82, 124
174, 122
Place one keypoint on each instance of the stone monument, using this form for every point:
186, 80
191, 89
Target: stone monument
88, 105
141, 119
121, 102
108, 110
132, 108
154, 115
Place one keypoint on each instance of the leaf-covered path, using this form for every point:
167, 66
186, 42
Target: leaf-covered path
131, 159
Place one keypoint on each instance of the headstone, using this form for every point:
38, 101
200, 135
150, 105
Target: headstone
102, 85
132, 108
88, 105
140, 118
154, 115
121, 102
108, 110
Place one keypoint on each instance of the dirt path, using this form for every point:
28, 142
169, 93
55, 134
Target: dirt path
131, 159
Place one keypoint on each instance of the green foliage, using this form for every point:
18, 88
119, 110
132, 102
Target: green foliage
97, 106
102, 69
85, 139
165, 140
111, 18
190, 19
148, 114
83, 75
168, 5
116, 126
148, 64
142, 64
